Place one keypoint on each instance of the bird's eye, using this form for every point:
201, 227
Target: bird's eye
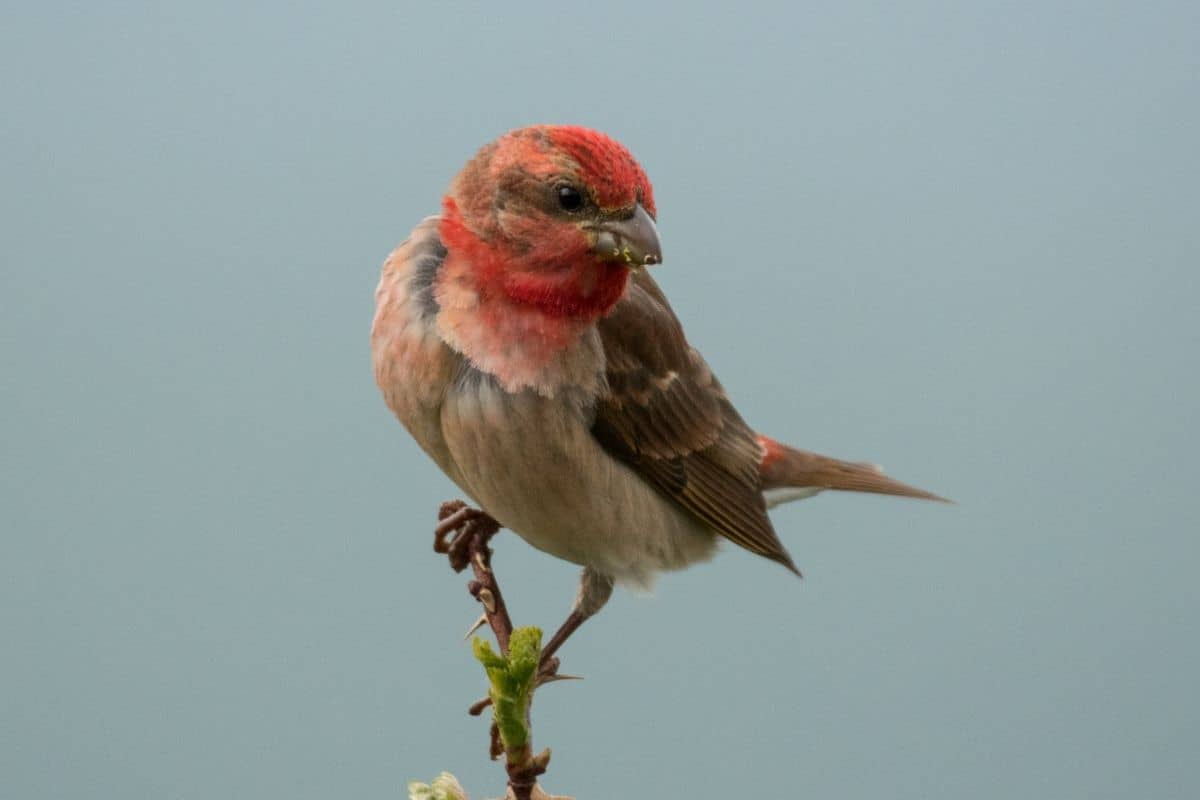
569, 198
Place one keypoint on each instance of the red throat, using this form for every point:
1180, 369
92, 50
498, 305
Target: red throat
559, 277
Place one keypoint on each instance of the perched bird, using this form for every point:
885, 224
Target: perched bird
521, 341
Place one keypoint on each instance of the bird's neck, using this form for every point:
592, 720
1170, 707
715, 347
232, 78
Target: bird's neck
520, 344
547, 265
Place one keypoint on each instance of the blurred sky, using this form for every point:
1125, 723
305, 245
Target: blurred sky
957, 239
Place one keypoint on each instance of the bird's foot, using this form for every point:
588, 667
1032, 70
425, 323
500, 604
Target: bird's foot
548, 672
458, 527
547, 666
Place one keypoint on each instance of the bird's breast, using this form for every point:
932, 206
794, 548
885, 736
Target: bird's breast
533, 464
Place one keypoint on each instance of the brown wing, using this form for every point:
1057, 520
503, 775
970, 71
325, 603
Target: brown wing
667, 416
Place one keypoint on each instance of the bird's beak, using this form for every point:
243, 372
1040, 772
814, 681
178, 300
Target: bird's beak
632, 241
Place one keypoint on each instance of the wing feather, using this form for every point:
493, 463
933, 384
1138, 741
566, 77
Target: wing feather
666, 416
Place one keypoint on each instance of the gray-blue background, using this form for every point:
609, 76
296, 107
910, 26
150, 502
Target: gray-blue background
957, 239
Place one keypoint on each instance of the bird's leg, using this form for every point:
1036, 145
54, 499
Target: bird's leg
459, 527
594, 590
472, 529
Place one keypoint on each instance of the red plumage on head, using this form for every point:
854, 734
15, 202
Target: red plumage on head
607, 166
536, 260
586, 293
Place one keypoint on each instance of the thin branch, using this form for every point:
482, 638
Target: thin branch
463, 534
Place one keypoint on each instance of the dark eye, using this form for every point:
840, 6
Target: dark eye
569, 198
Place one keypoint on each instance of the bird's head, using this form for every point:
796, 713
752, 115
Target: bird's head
553, 217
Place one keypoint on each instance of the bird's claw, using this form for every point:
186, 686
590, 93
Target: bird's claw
548, 666
458, 526
548, 673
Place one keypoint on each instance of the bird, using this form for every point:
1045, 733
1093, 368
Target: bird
522, 341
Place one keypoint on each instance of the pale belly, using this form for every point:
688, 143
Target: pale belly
532, 463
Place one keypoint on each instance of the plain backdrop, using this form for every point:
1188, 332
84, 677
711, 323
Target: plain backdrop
958, 239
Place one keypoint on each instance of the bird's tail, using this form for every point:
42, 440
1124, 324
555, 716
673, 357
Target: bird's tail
791, 474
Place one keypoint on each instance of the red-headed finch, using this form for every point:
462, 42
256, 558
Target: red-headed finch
523, 344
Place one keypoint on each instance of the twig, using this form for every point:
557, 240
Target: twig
513, 675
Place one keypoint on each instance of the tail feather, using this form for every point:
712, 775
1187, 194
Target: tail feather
786, 468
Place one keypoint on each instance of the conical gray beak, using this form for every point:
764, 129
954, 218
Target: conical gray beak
633, 240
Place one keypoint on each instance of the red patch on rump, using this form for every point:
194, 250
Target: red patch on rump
772, 452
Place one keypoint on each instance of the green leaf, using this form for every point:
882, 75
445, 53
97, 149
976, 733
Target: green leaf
512, 680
